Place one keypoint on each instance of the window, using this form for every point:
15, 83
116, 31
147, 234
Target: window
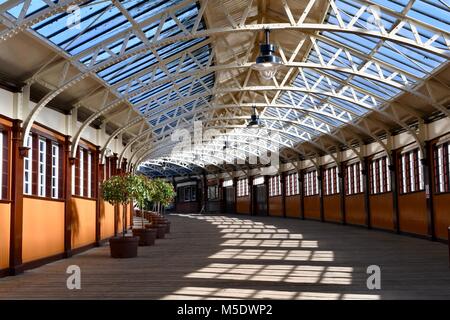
187, 193
442, 167
353, 179
242, 188
379, 179
411, 172
28, 177
292, 184
213, 192
274, 186
55, 171
4, 165
331, 181
89, 175
81, 172
311, 183
41, 167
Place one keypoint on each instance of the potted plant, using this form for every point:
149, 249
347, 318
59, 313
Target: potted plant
117, 191
141, 191
159, 196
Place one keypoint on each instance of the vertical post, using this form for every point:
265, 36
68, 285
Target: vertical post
365, 173
98, 205
68, 163
320, 178
266, 183
448, 240
283, 193
394, 186
235, 180
17, 157
250, 195
205, 192
342, 193
301, 189
427, 174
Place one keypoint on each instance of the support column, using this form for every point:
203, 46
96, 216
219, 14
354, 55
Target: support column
365, 173
205, 192
250, 195
69, 163
427, 174
283, 193
394, 186
235, 180
98, 202
320, 178
301, 190
17, 157
266, 183
342, 193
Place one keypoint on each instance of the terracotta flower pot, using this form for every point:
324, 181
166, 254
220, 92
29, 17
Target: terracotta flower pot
123, 247
146, 236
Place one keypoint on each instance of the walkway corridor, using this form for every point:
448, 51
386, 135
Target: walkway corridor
226, 257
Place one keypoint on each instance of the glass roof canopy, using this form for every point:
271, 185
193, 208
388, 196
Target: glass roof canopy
123, 43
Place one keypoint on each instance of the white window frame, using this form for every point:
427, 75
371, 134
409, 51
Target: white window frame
27, 168
89, 177
81, 171
55, 171
42, 167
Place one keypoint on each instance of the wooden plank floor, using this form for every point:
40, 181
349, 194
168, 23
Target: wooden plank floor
214, 256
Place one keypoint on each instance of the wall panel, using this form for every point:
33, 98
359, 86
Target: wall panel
312, 207
413, 213
354, 209
331, 207
5, 219
243, 205
293, 206
106, 220
276, 206
43, 229
83, 222
382, 211
441, 208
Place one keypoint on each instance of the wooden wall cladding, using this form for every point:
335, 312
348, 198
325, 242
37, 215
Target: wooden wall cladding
312, 207
293, 206
441, 208
243, 205
5, 220
354, 209
331, 206
188, 207
413, 213
83, 219
43, 229
382, 211
276, 206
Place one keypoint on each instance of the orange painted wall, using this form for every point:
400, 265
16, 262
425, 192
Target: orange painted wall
293, 206
276, 206
331, 207
382, 211
354, 209
83, 222
312, 207
106, 220
43, 228
441, 208
5, 218
243, 205
413, 213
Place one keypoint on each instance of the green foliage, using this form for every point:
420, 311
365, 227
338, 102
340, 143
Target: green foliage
115, 190
163, 192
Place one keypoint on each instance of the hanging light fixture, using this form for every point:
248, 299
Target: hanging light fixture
267, 63
254, 119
